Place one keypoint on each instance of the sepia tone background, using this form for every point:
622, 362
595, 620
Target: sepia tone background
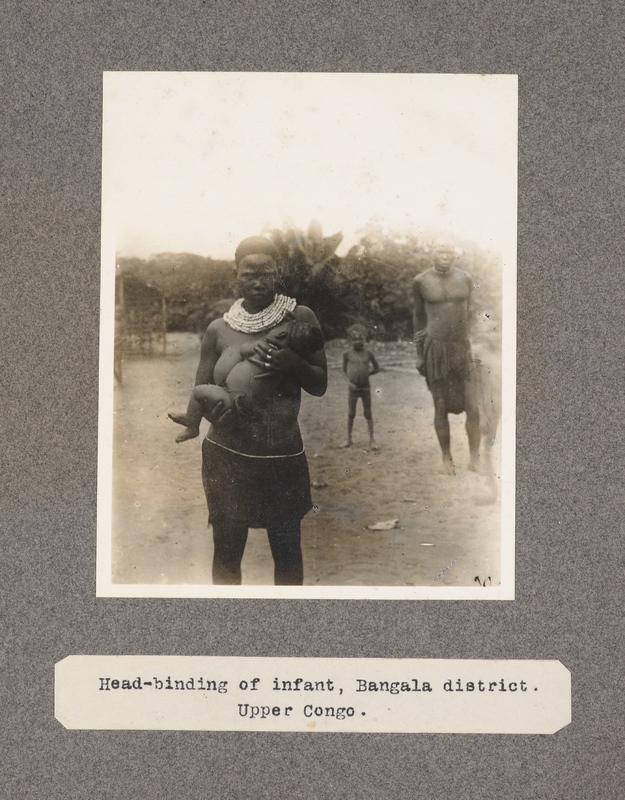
569, 437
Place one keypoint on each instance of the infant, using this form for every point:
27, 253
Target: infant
244, 389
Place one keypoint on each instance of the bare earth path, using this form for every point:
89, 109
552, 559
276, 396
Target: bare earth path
447, 534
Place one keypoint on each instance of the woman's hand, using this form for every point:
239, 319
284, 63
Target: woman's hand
276, 356
218, 413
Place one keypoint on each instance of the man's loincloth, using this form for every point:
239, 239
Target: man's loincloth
446, 366
256, 491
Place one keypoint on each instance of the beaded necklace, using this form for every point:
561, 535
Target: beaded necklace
241, 320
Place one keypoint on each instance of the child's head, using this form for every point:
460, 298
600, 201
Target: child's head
357, 336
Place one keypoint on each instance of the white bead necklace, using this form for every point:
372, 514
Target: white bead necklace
241, 320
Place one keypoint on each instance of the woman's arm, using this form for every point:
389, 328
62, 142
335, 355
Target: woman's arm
208, 354
312, 375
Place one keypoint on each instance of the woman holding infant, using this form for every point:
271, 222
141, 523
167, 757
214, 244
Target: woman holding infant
254, 467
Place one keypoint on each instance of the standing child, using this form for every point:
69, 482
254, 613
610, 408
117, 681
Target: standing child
358, 365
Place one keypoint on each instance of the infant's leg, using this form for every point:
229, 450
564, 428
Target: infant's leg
202, 401
206, 397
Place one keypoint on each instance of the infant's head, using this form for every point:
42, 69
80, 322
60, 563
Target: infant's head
302, 337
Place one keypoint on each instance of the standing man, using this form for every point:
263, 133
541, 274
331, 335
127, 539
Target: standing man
442, 311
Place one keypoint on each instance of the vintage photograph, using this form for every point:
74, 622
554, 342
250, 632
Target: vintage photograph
307, 354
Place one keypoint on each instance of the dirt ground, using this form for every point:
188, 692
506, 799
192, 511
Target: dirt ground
448, 529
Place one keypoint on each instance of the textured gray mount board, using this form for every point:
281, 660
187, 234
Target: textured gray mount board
569, 441
430, 159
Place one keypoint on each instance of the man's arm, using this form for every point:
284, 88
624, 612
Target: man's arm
419, 322
419, 315
345, 361
471, 309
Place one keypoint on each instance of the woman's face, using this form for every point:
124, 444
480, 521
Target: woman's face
257, 279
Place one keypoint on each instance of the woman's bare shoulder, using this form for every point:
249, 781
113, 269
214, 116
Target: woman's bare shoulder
217, 327
214, 333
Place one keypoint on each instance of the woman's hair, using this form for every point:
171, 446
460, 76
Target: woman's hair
255, 245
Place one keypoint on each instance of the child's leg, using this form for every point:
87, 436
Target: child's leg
352, 398
366, 406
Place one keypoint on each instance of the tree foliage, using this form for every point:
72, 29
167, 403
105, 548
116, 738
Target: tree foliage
372, 284
310, 272
383, 266
195, 287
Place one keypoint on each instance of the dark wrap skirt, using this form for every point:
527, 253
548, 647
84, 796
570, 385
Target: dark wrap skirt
447, 367
254, 491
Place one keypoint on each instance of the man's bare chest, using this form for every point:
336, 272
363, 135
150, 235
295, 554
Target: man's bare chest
444, 290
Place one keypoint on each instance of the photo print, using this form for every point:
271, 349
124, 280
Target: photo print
307, 370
